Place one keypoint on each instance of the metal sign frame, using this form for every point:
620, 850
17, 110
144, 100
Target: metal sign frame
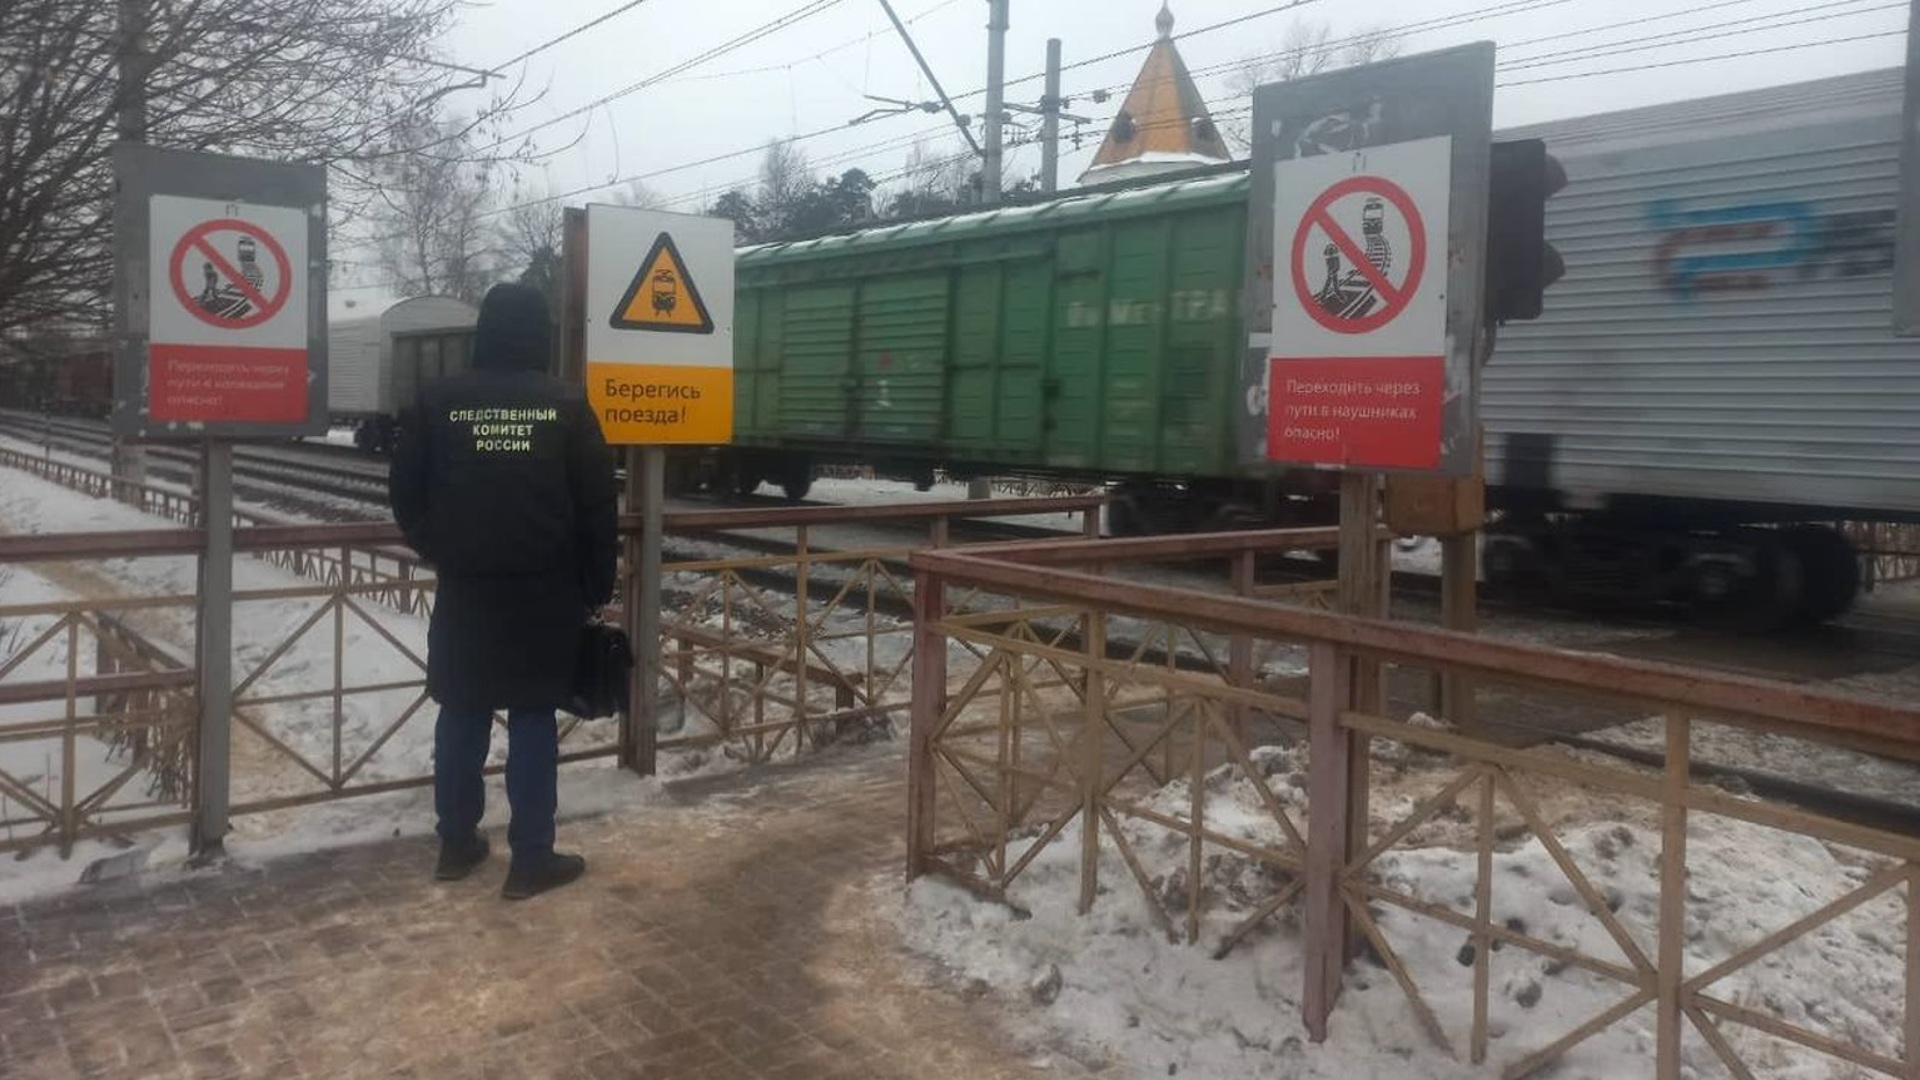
1446, 93
142, 172
1906, 257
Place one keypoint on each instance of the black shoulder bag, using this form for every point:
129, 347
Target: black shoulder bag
601, 672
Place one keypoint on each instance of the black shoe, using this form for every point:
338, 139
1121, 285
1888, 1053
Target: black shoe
458, 860
527, 878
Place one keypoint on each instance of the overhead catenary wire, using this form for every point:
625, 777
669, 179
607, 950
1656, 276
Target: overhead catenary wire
766, 29
1508, 7
1740, 55
1444, 22
1515, 7
571, 34
863, 39
1491, 11
1652, 39
1715, 32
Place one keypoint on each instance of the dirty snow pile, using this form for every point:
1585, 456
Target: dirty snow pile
1113, 985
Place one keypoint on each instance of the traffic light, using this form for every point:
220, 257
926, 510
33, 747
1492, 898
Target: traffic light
1521, 265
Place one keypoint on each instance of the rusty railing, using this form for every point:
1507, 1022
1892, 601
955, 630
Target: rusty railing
768, 654
1229, 776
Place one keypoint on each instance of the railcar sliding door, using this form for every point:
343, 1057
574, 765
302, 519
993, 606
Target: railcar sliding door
759, 325
1072, 391
1000, 342
899, 376
816, 373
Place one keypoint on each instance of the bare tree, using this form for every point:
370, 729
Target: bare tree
637, 194
785, 181
932, 181
1307, 48
528, 236
433, 216
343, 82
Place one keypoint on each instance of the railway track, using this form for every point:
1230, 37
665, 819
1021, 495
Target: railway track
1867, 638
286, 479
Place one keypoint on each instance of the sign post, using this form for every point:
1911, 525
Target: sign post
1366, 243
659, 372
220, 310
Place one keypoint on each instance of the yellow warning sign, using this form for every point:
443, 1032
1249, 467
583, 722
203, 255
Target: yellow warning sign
663, 297
646, 404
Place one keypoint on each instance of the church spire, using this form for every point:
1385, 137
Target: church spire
1164, 125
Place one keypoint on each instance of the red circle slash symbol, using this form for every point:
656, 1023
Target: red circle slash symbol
1357, 294
232, 291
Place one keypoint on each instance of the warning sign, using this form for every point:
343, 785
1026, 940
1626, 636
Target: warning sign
1357, 374
660, 348
663, 296
228, 321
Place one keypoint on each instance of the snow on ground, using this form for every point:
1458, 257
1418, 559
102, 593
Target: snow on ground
335, 436
47, 452
1123, 991
896, 492
1419, 555
294, 499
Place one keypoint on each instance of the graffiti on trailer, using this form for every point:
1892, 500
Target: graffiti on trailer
1748, 248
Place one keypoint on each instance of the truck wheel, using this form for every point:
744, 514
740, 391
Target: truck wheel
1124, 516
1832, 569
1765, 598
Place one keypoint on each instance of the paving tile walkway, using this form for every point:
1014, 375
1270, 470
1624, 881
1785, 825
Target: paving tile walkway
730, 933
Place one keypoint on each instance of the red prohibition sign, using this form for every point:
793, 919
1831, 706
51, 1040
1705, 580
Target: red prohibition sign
1394, 298
262, 307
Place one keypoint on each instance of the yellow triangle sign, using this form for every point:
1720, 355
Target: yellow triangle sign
663, 297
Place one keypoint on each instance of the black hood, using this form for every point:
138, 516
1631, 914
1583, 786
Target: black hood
513, 333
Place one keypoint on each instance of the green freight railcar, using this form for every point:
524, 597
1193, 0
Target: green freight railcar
1097, 337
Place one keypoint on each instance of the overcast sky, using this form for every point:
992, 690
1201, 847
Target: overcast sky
811, 76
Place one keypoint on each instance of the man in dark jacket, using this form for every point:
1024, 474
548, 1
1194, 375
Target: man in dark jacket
502, 482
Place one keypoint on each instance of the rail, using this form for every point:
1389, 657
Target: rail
1259, 804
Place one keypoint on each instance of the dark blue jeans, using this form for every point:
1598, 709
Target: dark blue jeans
460, 741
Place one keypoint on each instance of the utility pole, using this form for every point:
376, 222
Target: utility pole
997, 20
1050, 122
982, 487
128, 461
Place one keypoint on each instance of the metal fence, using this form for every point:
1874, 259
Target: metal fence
1202, 754
785, 631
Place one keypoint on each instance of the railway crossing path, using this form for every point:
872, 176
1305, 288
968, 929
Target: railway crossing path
725, 932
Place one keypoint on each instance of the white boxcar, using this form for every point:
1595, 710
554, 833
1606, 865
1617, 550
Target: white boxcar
1724, 329
361, 379
1719, 355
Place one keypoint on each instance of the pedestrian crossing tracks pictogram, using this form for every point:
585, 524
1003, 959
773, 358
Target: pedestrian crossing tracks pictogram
1358, 360
663, 296
230, 274
1348, 279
